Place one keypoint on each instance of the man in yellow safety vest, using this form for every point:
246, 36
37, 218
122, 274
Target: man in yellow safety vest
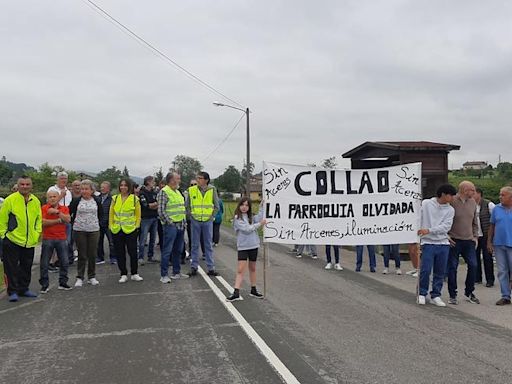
202, 204
172, 215
20, 229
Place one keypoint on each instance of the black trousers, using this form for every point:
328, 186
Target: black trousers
104, 231
18, 266
126, 242
483, 253
216, 232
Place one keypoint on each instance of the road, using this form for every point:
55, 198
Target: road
322, 326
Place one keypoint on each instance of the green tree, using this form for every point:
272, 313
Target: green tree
187, 166
126, 173
112, 175
504, 170
229, 181
44, 177
159, 176
6, 173
244, 174
330, 162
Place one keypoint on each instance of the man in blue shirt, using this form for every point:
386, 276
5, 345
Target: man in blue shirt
499, 242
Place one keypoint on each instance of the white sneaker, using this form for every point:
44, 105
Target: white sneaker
338, 267
421, 300
398, 271
123, 279
165, 280
438, 302
385, 271
75, 253
177, 276
79, 283
93, 281
415, 274
314, 257
328, 266
411, 272
136, 277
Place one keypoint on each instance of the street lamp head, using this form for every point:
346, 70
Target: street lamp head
217, 104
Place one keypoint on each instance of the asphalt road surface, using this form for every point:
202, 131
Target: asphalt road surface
314, 326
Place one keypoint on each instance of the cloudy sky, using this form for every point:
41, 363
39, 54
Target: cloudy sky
321, 77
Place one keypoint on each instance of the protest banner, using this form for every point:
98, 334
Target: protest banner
309, 205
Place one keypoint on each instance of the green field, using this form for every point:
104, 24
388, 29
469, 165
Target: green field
229, 211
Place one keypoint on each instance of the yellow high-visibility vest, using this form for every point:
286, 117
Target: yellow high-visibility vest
124, 214
20, 220
175, 207
201, 206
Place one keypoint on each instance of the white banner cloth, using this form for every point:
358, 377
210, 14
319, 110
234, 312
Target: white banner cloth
309, 205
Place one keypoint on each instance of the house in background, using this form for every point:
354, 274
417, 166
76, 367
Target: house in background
256, 186
478, 165
433, 156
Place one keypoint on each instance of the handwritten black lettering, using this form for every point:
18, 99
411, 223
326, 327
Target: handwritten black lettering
274, 174
406, 174
279, 187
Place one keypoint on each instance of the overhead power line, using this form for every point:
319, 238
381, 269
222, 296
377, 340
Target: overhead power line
225, 138
157, 51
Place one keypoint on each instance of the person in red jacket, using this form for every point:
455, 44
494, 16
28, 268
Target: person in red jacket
55, 218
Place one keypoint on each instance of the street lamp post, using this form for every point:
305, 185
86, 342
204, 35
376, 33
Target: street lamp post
248, 146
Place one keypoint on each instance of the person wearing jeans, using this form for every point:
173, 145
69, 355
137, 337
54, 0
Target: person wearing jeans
371, 255
202, 204
391, 250
149, 218
55, 219
484, 210
337, 264
65, 197
172, 214
500, 242
171, 251
106, 201
463, 239
436, 220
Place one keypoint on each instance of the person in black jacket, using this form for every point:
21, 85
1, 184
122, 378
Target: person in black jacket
86, 214
106, 200
149, 219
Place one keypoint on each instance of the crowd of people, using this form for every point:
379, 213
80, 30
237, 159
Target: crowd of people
454, 223
83, 217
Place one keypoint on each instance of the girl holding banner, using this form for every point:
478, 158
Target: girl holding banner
247, 240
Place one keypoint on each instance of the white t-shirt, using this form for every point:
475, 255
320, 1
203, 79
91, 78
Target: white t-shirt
66, 199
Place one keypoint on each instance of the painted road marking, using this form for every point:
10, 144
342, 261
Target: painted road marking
265, 350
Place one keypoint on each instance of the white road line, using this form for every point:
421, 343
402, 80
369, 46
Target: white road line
19, 306
227, 286
265, 350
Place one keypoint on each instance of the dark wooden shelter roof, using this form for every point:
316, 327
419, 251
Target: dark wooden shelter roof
402, 146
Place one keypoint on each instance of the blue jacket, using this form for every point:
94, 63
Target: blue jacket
220, 213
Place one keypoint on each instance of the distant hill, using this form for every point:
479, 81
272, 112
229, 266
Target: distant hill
18, 168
